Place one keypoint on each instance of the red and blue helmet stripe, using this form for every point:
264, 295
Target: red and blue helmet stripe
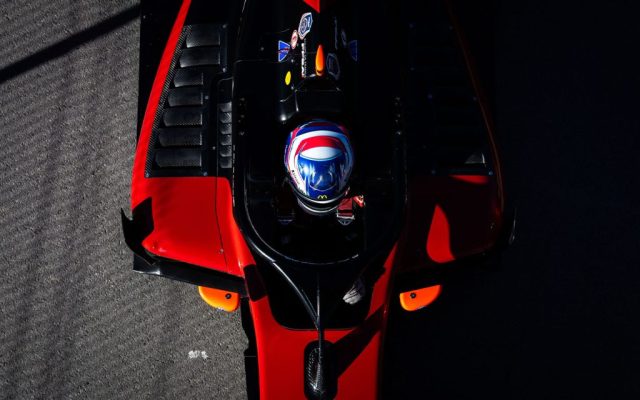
319, 160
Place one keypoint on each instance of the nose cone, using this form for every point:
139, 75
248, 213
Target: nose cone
320, 61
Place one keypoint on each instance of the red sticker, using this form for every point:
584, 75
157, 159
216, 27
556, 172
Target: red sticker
294, 39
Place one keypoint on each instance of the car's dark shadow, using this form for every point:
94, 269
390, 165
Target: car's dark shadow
557, 319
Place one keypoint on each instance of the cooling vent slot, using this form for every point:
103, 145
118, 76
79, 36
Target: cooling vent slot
224, 114
184, 136
446, 129
224, 135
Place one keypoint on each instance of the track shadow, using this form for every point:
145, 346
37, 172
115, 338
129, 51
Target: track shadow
63, 47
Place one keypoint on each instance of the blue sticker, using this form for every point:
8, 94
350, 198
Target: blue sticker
353, 49
283, 50
333, 66
305, 25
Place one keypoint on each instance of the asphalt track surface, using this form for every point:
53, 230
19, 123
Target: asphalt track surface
559, 319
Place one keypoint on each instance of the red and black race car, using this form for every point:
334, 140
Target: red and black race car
223, 84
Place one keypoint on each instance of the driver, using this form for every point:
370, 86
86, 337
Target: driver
319, 160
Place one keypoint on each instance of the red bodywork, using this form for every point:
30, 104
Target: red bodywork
188, 213
450, 217
318, 5
281, 350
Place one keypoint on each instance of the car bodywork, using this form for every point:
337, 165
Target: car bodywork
217, 99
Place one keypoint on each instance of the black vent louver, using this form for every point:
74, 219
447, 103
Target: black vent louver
183, 141
224, 120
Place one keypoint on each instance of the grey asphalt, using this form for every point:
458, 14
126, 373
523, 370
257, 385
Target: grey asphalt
76, 322
559, 319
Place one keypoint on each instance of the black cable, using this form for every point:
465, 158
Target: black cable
303, 297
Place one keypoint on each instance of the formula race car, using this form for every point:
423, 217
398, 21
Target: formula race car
311, 162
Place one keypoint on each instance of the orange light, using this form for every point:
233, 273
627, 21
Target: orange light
222, 299
320, 61
420, 298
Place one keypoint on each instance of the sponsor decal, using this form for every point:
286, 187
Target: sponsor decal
287, 78
294, 39
304, 27
322, 197
333, 66
353, 50
283, 50
343, 37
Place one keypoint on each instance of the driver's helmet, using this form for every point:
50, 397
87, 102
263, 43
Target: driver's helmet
319, 160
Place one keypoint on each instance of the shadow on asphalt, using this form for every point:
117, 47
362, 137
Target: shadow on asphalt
63, 47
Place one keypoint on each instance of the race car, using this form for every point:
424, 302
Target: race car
311, 162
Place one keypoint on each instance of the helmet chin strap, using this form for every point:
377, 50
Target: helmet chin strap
315, 211
330, 206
